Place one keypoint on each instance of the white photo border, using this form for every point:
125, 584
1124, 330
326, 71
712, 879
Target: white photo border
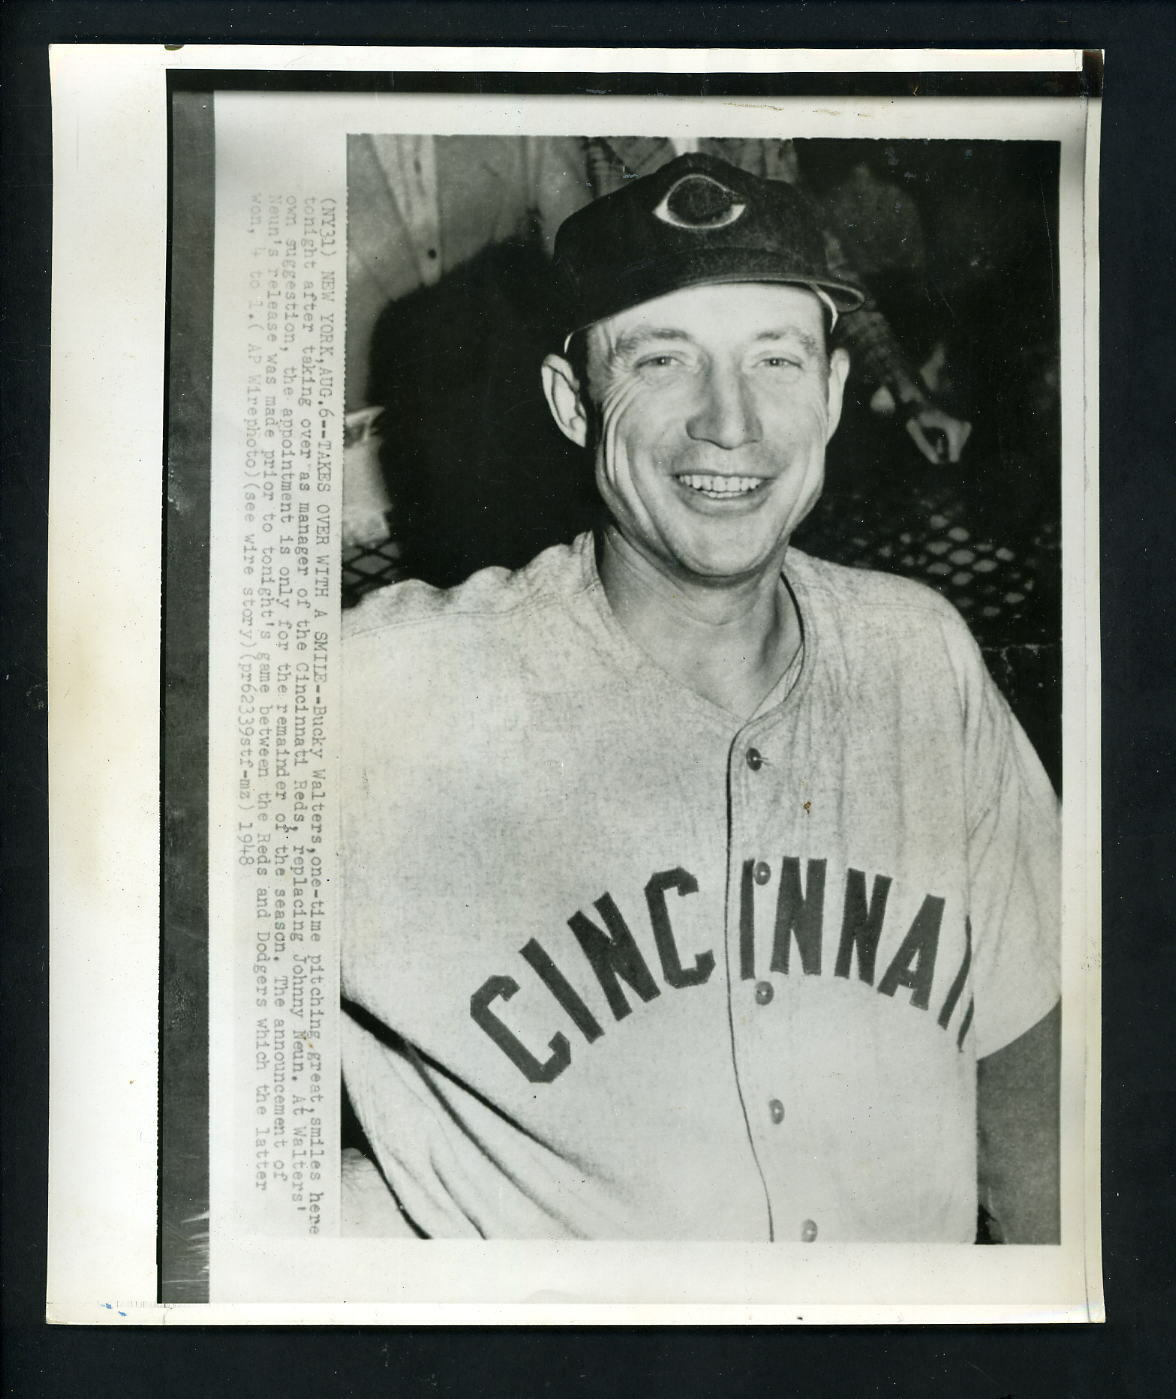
109, 304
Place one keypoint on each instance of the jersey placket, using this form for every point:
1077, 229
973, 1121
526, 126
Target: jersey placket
761, 1028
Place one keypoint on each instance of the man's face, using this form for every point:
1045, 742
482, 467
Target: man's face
714, 405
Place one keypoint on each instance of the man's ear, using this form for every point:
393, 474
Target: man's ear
838, 372
564, 398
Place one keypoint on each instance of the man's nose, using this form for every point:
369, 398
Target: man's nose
726, 415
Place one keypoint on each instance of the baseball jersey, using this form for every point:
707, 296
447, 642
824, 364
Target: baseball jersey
619, 965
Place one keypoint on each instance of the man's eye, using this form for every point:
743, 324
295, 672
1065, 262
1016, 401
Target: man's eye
658, 362
779, 362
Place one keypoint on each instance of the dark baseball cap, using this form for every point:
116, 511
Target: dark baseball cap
695, 221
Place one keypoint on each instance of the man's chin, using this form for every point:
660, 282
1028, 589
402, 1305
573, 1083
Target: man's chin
730, 569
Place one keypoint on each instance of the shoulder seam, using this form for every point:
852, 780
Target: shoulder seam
532, 600
911, 595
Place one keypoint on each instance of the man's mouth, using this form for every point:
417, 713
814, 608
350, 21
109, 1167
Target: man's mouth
721, 487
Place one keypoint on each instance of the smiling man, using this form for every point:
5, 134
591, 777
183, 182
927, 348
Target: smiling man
709, 410
694, 888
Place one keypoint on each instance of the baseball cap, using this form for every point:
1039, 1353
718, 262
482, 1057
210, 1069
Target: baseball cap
695, 221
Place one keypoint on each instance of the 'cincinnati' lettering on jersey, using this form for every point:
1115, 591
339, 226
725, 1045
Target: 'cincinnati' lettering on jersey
614, 955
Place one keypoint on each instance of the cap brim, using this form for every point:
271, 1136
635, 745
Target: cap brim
647, 282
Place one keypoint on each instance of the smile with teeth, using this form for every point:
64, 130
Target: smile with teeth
721, 487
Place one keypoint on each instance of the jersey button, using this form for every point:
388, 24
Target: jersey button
808, 1231
762, 873
755, 759
764, 991
776, 1113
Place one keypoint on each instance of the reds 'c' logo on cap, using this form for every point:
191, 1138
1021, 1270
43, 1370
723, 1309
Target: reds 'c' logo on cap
698, 201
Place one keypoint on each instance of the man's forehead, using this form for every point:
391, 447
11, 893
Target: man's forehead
719, 312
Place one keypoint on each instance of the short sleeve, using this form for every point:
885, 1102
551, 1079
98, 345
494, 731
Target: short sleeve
1014, 869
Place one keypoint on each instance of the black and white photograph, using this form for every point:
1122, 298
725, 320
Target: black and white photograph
628, 627
697, 885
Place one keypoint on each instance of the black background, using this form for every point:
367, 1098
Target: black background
1132, 1354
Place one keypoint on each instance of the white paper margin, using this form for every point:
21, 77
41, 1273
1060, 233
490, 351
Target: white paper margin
110, 163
